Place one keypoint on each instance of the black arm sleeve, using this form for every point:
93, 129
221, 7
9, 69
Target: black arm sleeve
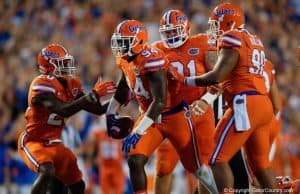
123, 91
55, 105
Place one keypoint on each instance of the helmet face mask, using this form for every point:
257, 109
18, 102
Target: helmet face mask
174, 28
64, 67
121, 45
214, 31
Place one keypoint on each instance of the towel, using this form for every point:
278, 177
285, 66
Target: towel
241, 118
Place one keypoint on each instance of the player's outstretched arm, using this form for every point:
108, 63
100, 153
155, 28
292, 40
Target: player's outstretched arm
101, 89
95, 107
227, 60
53, 104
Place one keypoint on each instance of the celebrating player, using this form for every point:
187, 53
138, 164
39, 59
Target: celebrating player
147, 73
55, 95
239, 66
190, 55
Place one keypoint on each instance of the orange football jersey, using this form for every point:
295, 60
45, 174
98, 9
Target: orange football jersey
189, 60
41, 123
109, 149
247, 75
149, 60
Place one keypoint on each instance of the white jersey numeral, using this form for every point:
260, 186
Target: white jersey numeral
191, 65
258, 61
54, 120
109, 150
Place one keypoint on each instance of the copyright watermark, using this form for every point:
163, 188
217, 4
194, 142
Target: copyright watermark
258, 190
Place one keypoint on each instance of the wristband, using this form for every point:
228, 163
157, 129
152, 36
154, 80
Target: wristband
143, 125
209, 98
190, 81
113, 107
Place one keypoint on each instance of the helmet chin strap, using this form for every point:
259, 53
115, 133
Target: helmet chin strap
130, 54
232, 26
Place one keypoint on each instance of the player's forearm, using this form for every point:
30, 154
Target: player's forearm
69, 109
123, 91
155, 108
96, 108
207, 79
158, 89
150, 116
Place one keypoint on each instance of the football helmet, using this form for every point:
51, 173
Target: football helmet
55, 60
118, 127
224, 17
129, 38
174, 28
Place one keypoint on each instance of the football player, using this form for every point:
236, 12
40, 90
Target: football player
276, 122
110, 162
190, 55
55, 95
146, 72
271, 85
239, 67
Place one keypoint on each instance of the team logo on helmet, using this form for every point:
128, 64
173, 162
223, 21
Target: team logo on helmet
135, 28
52, 54
181, 18
224, 12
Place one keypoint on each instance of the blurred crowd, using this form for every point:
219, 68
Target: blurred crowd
85, 28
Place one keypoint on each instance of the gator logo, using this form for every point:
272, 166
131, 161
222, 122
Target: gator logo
51, 54
224, 12
135, 28
193, 51
181, 19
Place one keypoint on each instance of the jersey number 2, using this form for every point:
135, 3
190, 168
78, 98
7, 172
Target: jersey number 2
54, 120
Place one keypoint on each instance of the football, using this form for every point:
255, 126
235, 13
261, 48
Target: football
119, 127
